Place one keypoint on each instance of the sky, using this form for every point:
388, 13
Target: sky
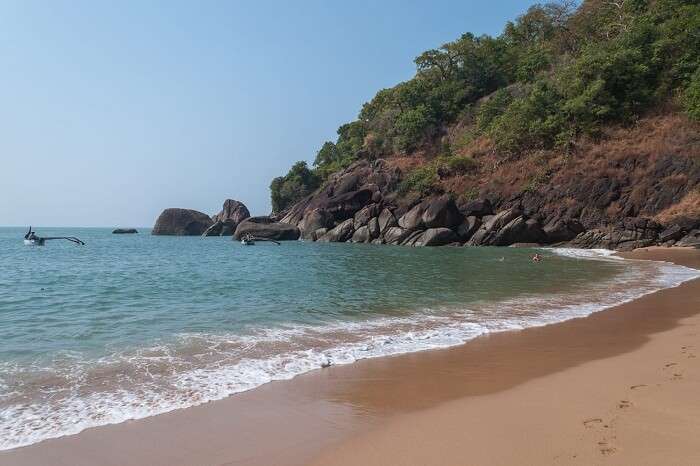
112, 111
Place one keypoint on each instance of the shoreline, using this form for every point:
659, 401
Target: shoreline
329, 407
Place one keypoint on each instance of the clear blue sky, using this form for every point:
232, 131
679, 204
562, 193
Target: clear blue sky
112, 111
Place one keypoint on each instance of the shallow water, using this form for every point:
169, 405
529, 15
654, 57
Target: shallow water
134, 325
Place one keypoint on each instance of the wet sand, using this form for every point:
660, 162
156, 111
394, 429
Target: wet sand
618, 387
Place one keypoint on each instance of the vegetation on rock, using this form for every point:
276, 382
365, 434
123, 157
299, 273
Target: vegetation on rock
556, 76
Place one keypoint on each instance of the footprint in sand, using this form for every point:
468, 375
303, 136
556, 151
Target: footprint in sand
592, 422
677, 376
670, 364
634, 387
624, 404
606, 448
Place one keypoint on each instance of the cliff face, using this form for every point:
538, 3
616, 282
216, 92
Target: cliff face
635, 187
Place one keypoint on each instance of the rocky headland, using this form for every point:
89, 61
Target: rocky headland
363, 204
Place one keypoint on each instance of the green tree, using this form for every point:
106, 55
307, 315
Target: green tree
295, 185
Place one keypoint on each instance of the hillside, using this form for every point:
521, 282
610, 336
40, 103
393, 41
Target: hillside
582, 123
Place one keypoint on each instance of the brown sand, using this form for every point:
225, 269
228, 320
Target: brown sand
618, 387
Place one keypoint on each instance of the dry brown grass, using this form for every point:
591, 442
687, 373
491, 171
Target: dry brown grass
634, 156
689, 206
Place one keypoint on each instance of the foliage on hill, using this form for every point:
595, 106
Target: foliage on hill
555, 74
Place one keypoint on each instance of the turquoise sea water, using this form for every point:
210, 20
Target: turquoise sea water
129, 326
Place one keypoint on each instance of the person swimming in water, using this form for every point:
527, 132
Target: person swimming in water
536, 258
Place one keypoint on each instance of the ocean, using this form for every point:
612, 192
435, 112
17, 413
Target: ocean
130, 326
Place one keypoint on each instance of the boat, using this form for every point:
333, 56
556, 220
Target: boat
249, 240
31, 239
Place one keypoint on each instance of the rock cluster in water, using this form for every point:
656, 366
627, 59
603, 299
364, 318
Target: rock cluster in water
226, 221
233, 220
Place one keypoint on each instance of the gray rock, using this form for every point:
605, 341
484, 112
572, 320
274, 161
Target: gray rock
373, 227
340, 233
438, 237
413, 238
440, 212
692, 239
386, 220
361, 235
264, 227
476, 208
181, 222
363, 215
674, 232
232, 214
491, 225
395, 235
124, 231
560, 230
313, 221
469, 226
413, 219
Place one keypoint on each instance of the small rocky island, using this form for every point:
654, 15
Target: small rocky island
233, 220
125, 231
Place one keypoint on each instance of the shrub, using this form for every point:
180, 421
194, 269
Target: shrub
691, 97
423, 180
299, 182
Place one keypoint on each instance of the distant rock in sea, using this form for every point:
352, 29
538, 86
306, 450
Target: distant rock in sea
181, 222
124, 231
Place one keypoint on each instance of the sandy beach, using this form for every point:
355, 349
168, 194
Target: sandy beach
619, 387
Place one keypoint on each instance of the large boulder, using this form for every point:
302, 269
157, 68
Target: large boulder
469, 226
519, 230
395, 235
692, 239
264, 227
476, 208
181, 222
560, 230
361, 235
414, 239
441, 212
435, 212
345, 205
340, 233
672, 233
437, 237
231, 215
386, 220
491, 225
363, 216
313, 221
413, 219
